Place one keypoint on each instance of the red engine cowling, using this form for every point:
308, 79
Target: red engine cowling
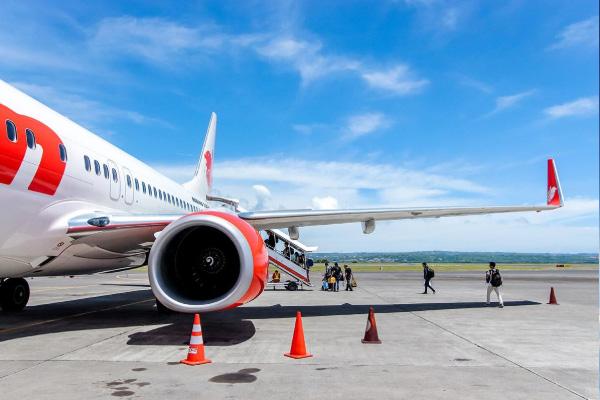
207, 261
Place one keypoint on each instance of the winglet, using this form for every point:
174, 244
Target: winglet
555, 196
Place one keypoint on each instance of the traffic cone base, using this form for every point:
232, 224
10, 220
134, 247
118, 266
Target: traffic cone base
297, 356
370, 341
298, 349
195, 354
205, 361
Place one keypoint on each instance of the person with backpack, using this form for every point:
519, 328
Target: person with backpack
494, 281
428, 274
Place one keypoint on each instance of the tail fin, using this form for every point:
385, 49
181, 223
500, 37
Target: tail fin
201, 183
555, 196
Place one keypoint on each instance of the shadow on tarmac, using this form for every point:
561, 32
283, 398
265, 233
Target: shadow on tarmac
136, 308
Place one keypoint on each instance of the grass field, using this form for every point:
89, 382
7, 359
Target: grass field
393, 267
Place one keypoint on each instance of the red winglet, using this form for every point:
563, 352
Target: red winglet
555, 197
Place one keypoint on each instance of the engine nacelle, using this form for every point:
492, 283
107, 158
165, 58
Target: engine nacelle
207, 261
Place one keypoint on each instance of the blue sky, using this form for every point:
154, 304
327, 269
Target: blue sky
343, 104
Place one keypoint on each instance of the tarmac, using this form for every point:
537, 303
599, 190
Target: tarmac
100, 337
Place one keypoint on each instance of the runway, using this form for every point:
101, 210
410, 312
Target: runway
99, 336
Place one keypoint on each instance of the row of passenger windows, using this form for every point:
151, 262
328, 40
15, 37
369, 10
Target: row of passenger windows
13, 136
138, 185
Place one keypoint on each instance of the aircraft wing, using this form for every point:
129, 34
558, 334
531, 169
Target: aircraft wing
297, 218
151, 224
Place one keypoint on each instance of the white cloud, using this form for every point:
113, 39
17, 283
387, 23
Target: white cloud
169, 44
440, 15
580, 107
80, 108
324, 203
399, 80
506, 102
311, 62
474, 83
154, 39
579, 34
263, 197
364, 124
337, 175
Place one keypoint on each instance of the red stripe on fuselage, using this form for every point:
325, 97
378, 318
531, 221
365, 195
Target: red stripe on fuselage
51, 169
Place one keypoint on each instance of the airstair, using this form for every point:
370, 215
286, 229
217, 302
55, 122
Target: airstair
290, 257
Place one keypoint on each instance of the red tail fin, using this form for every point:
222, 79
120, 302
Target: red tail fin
555, 197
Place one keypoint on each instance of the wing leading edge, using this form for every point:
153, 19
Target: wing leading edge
297, 218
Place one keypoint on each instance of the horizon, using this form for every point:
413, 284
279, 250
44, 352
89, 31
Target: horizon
424, 103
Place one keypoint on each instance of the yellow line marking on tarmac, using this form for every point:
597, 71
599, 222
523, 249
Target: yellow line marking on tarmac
72, 316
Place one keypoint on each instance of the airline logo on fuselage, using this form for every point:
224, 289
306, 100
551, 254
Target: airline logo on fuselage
51, 168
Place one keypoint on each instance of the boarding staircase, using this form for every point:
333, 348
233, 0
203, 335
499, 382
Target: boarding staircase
298, 272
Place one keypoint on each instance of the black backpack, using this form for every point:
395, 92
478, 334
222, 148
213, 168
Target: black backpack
431, 273
496, 279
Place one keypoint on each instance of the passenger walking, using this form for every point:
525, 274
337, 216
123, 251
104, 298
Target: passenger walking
348, 273
428, 274
494, 281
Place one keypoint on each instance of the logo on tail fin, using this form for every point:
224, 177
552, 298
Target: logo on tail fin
551, 194
209, 160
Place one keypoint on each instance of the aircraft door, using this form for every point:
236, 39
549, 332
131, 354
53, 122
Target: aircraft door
115, 181
128, 185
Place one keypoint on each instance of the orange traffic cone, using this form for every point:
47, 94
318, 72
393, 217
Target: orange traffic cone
552, 297
371, 329
298, 349
196, 350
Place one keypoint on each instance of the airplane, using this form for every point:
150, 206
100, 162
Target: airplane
72, 203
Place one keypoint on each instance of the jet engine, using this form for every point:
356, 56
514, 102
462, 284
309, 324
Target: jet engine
207, 261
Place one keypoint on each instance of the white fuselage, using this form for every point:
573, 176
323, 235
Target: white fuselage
34, 224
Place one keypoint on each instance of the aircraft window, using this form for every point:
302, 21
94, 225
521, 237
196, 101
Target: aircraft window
128, 181
177, 202
154, 190
88, 164
105, 167
97, 167
137, 184
143, 187
170, 199
114, 175
149, 190
30, 138
62, 150
11, 130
